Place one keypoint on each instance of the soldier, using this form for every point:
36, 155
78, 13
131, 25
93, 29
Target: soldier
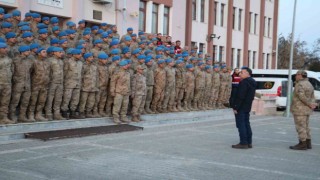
208, 90
180, 84
16, 15
36, 18
129, 32
43, 40
138, 94
170, 87
6, 71
40, 78
149, 83
102, 94
159, 87
71, 37
215, 87
27, 39
120, 90
224, 80
90, 85
6, 27
303, 103
72, 69
21, 89
12, 45
190, 84
115, 31
200, 78
56, 85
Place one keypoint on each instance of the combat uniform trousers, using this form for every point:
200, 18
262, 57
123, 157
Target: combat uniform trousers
222, 94
109, 105
189, 94
38, 101
101, 100
302, 126
87, 101
6, 71
214, 96
5, 95
178, 97
71, 97
148, 98
157, 100
138, 102
22, 95
120, 106
169, 98
207, 97
54, 99
198, 97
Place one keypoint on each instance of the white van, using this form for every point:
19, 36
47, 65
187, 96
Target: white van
279, 80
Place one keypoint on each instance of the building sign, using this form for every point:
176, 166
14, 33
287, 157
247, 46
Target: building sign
53, 3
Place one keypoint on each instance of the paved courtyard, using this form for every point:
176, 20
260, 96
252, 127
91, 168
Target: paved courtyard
198, 150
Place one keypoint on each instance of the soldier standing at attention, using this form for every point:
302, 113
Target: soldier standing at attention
170, 88
56, 85
21, 89
159, 87
189, 91
303, 103
150, 84
215, 87
72, 83
138, 94
120, 90
180, 84
89, 86
6, 71
224, 80
200, 78
208, 86
40, 78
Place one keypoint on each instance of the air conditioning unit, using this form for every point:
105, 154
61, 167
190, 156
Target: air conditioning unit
103, 1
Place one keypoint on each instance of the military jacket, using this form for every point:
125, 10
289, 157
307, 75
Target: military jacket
216, 80
56, 71
139, 85
6, 70
90, 77
190, 80
170, 77
160, 78
40, 75
149, 76
303, 96
103, 75
180, 78
200, 78
208, 80
120, 83
22, 71
72, 73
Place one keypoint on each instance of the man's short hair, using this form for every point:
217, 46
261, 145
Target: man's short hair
178, 41
247, 69
303, 73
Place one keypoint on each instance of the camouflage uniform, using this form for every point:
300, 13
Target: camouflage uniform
180, 86
215, 89
208, 90
139, 89
170, 88
150, 84
159, 89
199, 90
102, 94
189, 91
223, 91
113, 68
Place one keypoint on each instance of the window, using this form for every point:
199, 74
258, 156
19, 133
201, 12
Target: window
267, 63
194, 10
255, 24
238, 57
201, 47
215, 12
249, 63
166, 21
239, 19
202, 11
193, 44
154, 19
233, 17
264, 30
142, 16
214, 53
250, 22
221, 53
254, 59
232, 57
269, 25
222, 15
264, 60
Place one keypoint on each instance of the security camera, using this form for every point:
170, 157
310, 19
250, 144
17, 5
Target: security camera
124, 9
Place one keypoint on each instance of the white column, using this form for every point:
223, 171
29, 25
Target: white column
251, 23
218, 13
250, 59
264, 61
149, 16
236, 19
198, 15
160, 18
218, 54
170, 21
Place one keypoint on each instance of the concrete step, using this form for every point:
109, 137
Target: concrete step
16, 131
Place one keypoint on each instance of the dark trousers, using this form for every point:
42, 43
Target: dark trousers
244, 128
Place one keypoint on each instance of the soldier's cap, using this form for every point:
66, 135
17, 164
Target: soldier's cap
123, 63
42, 31
25, 28
148, 51
159, 49
2, 40
34, 46
130, 29
200, 63
42, 26
55, 28
158, 56
128, 61
143, 37
76, 52
6, 25
1, 10
200, 52
178, 55
125, 50
100, 31
10, 35
22, 23
215, 66
192, 51
140, 67
168, 60
87, 29
161, 61
81, 22
54, 41
136, 51
185, 55
109, 31
133, 35
302, 72
69, 50
97, 41
141, 42
23, 48
45, 18
86, 32
141, 57
208, 59
115, 58
3, 45
6, 16
40, 49
148, 59
207, 67
189, 66
154, 39
127, 38
104, 35
79, 47
70, 24
49, 50
141, 33
114, 42
193, 59
62, 33
16, 13
28, 14
200, 59
185, 52
103, 55
87, 55
114, 51
179, 62
103, 24
93, 28
54, 20
35, 15
223, 66
70, 31
172, 52
57, 49
27, 34
62, 41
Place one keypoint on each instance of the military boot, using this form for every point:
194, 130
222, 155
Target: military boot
148, 111
195, 106
302, 145
4, 119
57, 116
13, 117
31, 116
124, 119
65, 114
309, 146
116, 120
89, 114
101, 112
170, 109
82, 115
175, 109
39, 117
135, 118
49, 115
96, 114
73, 115
23, 118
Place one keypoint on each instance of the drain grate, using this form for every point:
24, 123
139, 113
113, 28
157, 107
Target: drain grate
80, 132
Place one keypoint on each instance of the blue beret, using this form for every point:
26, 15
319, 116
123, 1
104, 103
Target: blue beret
133, 35
36, 15
200, 63
103, 55
109, 31
159, 49
115, 58
193, 58
161, 61
45, 19
114, 42
25, 28
22, 23
114, 51
24, 48
136, 51
172, 52
79, 47
192, 51
123, 63
62, 33
41, 26
127, 38
81, 22
142, 42
178, 55
141, 57
149, 56
55, 28
43, 31
200, 52
75, 51
168, 60
154, 39
34, 46
28, 14
10, 35
125, 50
27, 34
6, 25
6, 16
200, 59
87, 29
103, 24
128, 61
70, 31
179, 62
87, 55
223, 66
141, 33
130, 29
95, 28
1, 10
86, 32
185, 55
215, 66
70, 24
188, 66
100, 31
62, 41
57, 49
158, 56
207, 67
2, 40
40, 49
54, 41
208, 59
54, 20
147, 60
16, 13
148, 51
115, 38
49, 50
104, 35
69, 50
97, 41
3, 45
185, 52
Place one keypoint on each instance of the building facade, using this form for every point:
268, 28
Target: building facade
238, 32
